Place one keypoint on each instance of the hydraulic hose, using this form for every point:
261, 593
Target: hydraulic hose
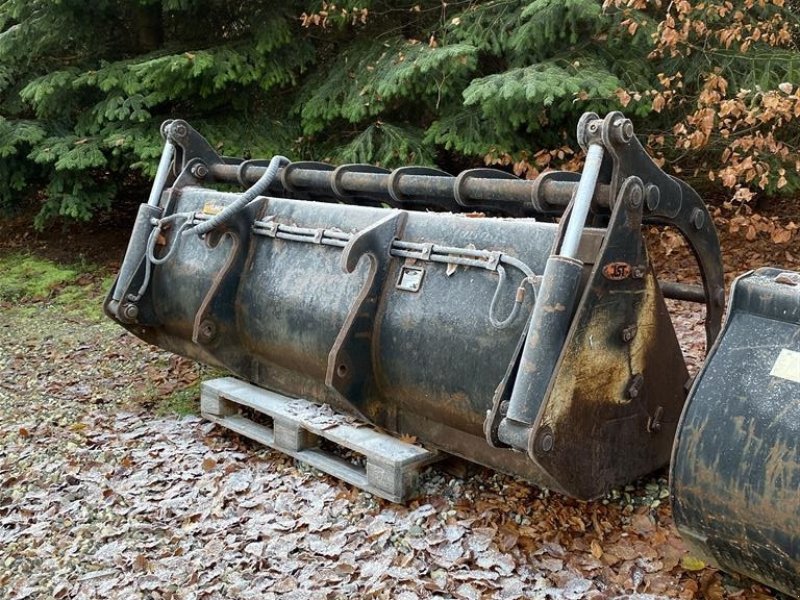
256, 190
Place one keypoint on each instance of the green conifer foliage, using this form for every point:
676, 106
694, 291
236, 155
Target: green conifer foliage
84, 85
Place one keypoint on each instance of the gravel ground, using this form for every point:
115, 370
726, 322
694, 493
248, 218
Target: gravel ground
104, 493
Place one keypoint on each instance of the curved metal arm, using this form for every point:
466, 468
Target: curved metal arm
697, 227
668, 201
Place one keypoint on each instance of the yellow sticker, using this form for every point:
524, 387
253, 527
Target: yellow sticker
787, 366
211, 209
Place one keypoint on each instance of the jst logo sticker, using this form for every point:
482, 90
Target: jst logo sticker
617, 271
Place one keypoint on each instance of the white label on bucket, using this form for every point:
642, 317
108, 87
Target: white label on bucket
787, 365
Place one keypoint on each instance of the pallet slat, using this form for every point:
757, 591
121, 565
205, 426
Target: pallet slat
391, 465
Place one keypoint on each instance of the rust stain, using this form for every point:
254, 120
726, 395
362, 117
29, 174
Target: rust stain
589, 405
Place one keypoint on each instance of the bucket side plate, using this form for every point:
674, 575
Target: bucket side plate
736, 464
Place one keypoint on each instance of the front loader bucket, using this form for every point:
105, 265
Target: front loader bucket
516, 323
736, 465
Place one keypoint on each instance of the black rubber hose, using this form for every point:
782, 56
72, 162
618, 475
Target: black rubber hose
256, 190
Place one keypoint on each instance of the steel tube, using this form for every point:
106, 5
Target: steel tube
135, 253
552, 316
683, 291
583, 201
367, 183
419, 187
500, 190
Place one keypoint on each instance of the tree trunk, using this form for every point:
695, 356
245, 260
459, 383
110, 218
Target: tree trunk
149, 26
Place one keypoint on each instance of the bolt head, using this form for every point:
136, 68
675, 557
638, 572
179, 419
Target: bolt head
627, 129
698, 219
630, 332
623, 130
653, 195
636, 196
546, 439
207, 330
200, 171
130, 312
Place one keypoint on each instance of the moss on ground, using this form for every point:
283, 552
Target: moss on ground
25, 277
46, 299
79, 289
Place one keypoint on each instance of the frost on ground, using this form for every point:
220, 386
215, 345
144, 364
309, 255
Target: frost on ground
104, 495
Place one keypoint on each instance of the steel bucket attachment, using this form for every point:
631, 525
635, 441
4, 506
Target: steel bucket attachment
372, 291
736, 465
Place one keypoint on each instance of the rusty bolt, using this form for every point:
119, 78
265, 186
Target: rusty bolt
697, 218
654, 422
635, 386
629, 333
207, 331
200, 171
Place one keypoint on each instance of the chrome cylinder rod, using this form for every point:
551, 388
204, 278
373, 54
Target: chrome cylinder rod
583, 201
162, 173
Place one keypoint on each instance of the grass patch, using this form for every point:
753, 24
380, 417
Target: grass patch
78, 289
170, 390
29, 278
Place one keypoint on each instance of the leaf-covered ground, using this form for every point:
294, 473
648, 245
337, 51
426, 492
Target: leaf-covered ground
112, 487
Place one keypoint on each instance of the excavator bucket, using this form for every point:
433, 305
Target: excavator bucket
736, 467
516, 323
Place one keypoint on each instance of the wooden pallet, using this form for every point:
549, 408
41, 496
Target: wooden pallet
388, 467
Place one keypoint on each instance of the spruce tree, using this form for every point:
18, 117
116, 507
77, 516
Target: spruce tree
84, 86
